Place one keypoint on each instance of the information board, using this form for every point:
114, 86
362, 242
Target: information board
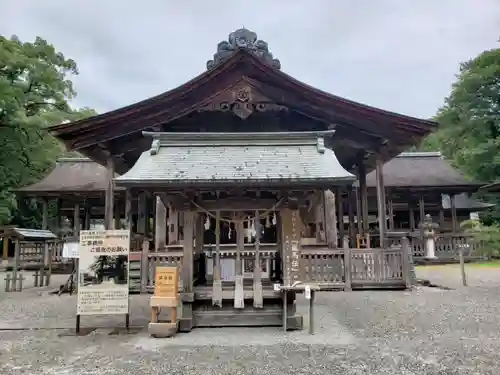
103, 272
167, 282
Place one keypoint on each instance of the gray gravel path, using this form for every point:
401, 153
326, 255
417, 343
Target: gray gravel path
426, 331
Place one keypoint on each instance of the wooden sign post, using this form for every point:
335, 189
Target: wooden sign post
166, 295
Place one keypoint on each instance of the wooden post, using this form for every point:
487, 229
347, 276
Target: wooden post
462, 266
128, 209
5, 250
454, 225
421, 209
141, 213
173, 224
330, 219
363, 191
390, 208
340, 216
441, 216
76, 220
258, 301
217, 286
145, 266
58, 216
347, 269
319, 217
160, 224
187, 263
117, 215
239, 302
109, 200
359, 215
411, 216
382, 220
405, 258
45, 214
350, 213
88, 214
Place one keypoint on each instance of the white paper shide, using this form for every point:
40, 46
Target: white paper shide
103, 272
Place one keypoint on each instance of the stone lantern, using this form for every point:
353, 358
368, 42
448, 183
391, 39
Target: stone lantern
429, 234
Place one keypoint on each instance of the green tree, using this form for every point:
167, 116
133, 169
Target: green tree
34, 93
469, 131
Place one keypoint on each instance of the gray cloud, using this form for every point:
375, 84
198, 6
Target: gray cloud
399, 55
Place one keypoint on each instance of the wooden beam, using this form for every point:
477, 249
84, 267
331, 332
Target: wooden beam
382, 220
109, 202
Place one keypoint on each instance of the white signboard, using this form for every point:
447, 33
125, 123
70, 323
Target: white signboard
103, 272
71, 250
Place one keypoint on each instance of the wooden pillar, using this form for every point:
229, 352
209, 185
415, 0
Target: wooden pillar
160, 224
411, 216
239, 302
359, 214
319, 217
381, 208
421, 208
87, 215
141, 213
173, 226
128, 209
330, 219
363, 192
391, 211
217, 286
45, 214
58, 216
186, 322
454, 224
187, 262
5, 250
76, 220
350, 212
258, 299
340, 216
109, 200
441, 216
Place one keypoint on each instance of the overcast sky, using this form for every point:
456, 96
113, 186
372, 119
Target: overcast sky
400, 55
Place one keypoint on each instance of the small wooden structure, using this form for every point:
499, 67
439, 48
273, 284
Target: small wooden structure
33, 252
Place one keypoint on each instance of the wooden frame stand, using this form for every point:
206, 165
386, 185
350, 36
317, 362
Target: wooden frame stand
158, 328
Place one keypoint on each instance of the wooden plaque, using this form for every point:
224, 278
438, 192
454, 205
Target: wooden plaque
291, 227
167, 282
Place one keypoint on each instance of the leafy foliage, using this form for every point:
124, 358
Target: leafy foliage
34, 94
487, 235
469, 132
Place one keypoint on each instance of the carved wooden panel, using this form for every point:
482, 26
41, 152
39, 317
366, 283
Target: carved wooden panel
291, 229
243, 100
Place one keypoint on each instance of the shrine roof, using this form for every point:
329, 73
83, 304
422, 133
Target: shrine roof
243, 158
422, 169
26, 233
71, 175
243, 61
464, 202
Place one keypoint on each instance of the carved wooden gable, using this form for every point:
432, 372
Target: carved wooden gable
242, 99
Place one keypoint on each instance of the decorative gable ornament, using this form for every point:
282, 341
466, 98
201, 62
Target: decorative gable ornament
244, 39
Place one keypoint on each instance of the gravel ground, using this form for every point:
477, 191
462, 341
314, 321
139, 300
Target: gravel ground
425, 331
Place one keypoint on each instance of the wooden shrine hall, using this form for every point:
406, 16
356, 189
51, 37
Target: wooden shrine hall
246, 172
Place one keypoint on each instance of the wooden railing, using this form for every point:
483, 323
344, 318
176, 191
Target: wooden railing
447, 245
355, 267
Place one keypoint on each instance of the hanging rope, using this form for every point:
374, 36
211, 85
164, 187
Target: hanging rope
243, 219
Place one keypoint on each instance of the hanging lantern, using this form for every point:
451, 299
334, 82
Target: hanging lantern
274, 218
268, 222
